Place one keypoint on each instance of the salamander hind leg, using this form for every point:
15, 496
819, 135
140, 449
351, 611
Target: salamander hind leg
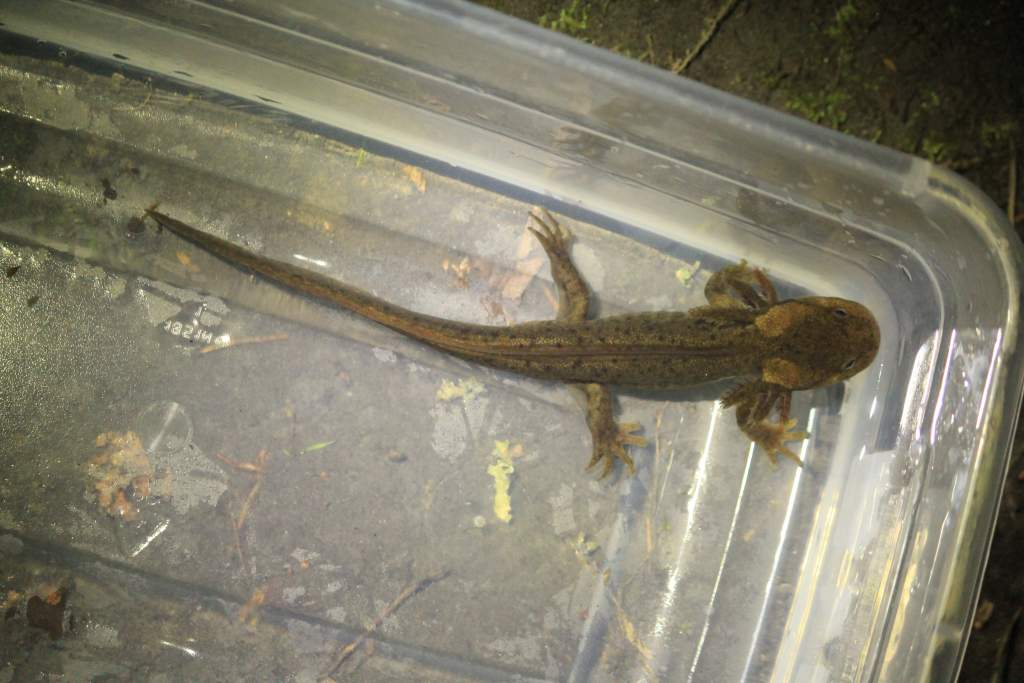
610, 438
740, 286
572, 288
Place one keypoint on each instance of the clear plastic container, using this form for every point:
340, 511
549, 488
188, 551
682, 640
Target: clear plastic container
399, 146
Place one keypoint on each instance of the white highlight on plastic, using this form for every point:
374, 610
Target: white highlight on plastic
162, 527
180, 648
306, 259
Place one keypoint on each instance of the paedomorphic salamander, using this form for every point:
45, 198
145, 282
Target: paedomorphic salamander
775, 347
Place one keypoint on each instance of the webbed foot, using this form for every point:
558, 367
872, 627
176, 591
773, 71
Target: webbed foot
552, 236
740, 286
754, 402
610, 446
610, 438
773, 436
575, 297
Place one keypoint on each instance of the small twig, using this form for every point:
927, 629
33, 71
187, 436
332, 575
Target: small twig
625, 623
209, 348
1007, 654
1011, 202
243, 563
136, 107
258, 468
709, 31
407, 592
241, 465
653, 512
247, 503
963, 164
249, 609
648, 54
658, 417
668, 466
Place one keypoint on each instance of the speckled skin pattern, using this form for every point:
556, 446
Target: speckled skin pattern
774, 346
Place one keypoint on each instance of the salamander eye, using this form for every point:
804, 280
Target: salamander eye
839, 313
848, 365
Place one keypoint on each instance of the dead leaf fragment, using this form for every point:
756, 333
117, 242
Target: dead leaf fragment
416, 176
516, 282
249, 611
123, 475
983, 614
46, 610
186, 260
460, 270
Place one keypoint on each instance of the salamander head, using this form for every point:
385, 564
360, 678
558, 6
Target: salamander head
817, 341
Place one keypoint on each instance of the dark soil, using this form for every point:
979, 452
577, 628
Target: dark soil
940, 80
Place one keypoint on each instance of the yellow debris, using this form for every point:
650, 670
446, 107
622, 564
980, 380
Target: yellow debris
686, 273
466, 389
501, 470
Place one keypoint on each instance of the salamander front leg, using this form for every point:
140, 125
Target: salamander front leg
740, 286
610, 438
754, 402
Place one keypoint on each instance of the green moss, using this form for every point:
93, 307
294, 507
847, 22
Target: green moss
872, 134
826, 108
571, 20
841, 24
931, 100
997, 136
935, 151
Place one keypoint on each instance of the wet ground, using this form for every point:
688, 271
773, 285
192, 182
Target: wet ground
937, 80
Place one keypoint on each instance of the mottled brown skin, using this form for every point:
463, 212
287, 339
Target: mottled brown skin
776, 347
